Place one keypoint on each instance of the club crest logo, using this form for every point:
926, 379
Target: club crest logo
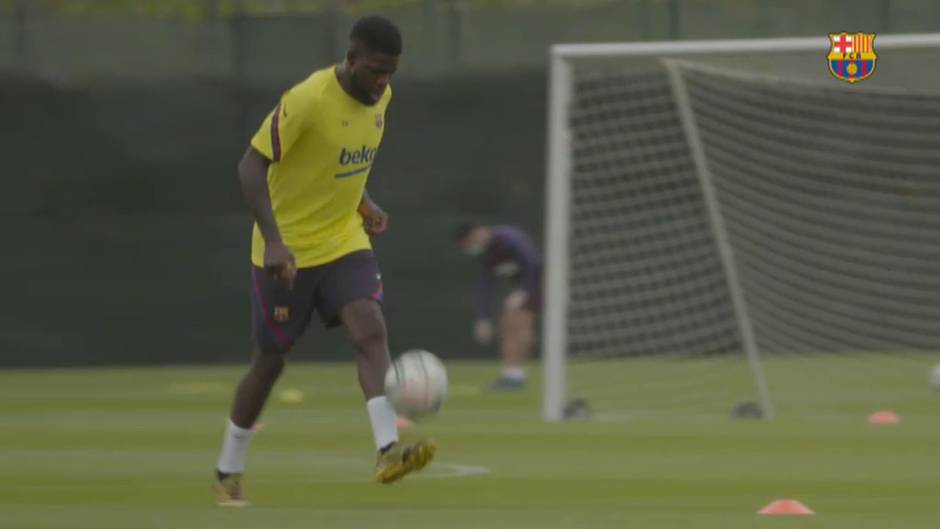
378, 121
852, 56
281, 314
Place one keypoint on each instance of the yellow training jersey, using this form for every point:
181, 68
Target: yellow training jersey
321, 143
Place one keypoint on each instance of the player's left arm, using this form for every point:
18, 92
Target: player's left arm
374, 218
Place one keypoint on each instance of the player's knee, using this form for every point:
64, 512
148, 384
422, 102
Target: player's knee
515, 301
511, 317
370, 337
268, 366
505, 323
365, 325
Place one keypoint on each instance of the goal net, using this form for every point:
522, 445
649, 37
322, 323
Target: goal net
730, 225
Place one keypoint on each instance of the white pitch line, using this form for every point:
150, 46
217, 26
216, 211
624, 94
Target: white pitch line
454, 470
458, 471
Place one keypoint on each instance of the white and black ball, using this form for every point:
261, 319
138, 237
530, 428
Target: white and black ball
416, 384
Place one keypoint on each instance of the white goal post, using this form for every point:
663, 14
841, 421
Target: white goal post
563, 144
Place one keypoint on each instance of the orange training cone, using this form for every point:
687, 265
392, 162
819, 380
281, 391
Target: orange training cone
786, 508
883, 417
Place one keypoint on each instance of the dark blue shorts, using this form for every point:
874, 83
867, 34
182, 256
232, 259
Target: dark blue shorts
280, 315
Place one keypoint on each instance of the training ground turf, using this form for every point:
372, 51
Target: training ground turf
134, 448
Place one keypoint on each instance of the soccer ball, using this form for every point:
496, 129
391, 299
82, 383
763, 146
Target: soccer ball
935, 378
416, 384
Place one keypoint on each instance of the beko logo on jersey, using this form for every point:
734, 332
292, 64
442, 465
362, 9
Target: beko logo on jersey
363, 155
359, 157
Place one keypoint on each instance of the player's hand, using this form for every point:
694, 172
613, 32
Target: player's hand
483, 332
279, 261
374, 218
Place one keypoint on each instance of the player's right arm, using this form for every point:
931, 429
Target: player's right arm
253, 175
273, 140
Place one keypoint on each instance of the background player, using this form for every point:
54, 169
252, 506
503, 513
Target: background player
506, 251
304, 178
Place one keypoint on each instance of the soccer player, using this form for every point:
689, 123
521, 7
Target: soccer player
506, 251
304, 178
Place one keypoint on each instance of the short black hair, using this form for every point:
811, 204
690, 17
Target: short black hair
463, 229
378, 34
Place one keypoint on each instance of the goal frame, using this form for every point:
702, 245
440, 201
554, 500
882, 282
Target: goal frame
558, 187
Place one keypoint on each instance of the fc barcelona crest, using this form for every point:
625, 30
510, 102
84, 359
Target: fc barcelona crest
852, 56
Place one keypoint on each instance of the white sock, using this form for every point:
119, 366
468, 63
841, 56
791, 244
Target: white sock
234, 449
514, 373
384, 421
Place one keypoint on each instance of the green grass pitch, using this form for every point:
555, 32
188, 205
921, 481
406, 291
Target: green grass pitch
135, 448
